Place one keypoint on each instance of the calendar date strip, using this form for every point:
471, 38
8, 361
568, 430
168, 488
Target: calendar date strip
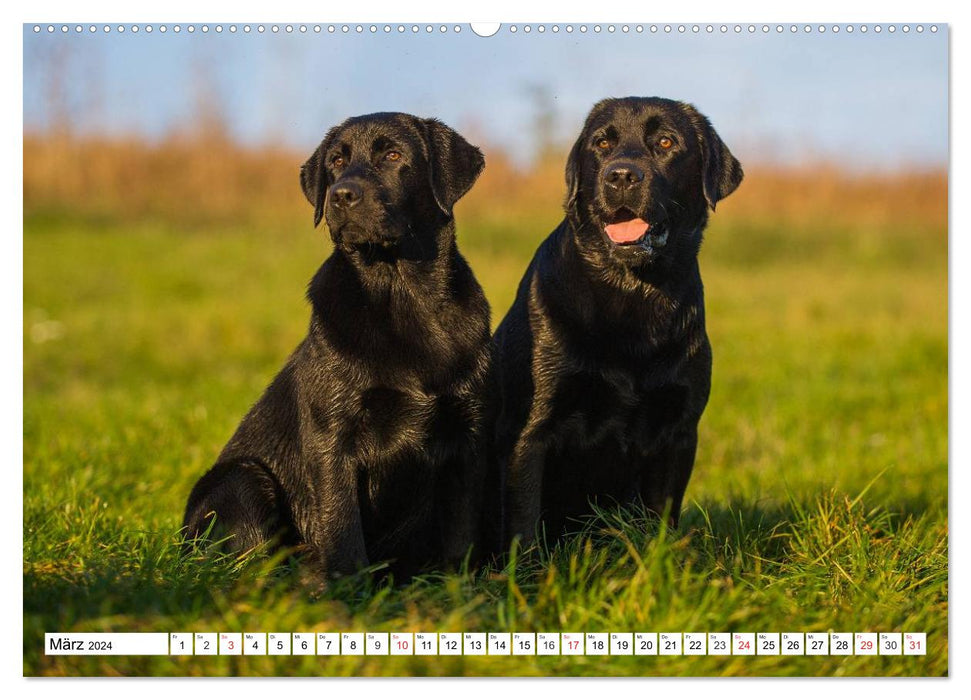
486, 644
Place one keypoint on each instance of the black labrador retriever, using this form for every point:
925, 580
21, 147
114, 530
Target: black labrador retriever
369, 444
603, 360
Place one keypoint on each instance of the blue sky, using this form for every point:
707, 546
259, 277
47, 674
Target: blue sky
870, 100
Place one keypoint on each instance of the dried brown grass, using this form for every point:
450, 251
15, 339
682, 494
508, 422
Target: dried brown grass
190, 180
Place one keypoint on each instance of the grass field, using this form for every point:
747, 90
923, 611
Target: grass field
818, 501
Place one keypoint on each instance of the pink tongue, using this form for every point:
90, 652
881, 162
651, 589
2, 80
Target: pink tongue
627, 231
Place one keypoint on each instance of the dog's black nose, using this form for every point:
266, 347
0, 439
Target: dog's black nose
345, 195
623, 176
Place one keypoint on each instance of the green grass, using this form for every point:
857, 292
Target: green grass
818, 501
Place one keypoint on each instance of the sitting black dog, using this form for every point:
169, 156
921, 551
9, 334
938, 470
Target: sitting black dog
368, 445
603, 360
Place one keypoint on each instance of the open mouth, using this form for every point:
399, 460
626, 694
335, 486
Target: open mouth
628, 229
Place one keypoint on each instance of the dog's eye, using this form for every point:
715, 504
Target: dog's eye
337, 161
665, 142
392, 156
603, 144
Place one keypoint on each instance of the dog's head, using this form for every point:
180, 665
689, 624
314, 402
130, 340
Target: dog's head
389, 181
642, 176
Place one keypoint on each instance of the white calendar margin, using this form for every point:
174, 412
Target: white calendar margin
11, 431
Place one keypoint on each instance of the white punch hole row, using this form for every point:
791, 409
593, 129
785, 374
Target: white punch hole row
481, 29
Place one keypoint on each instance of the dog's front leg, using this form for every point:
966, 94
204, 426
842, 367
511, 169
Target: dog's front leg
525, 488
666, 472
335, 534
463, 502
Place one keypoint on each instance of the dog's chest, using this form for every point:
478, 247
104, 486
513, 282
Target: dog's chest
382, 424
388, 418
622, 409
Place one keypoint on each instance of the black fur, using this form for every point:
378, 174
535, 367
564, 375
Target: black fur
368, 446
603, 360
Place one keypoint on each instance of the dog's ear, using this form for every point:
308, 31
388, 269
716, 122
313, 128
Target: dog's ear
721, 171
573, 171
454, 164
576, 153
314, 179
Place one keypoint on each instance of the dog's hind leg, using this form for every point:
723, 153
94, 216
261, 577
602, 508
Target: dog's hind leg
238, 505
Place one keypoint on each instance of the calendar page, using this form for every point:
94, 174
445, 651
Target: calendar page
437, 348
